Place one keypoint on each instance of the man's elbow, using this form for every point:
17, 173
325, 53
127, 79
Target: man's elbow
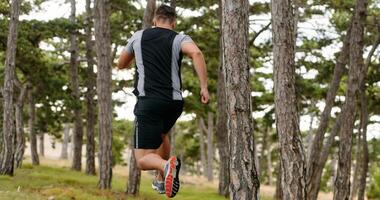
196, 54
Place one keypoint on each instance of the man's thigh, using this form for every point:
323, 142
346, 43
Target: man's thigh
139, 153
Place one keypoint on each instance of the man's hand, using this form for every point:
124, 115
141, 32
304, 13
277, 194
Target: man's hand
204, 96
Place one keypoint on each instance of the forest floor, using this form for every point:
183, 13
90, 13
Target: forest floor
54, 180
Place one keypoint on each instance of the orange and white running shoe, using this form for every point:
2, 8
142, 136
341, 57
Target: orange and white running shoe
171, 174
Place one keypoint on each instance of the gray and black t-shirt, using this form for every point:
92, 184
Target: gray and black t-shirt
158, 62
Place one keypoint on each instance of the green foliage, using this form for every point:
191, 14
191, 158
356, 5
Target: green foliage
122, 131
374, 188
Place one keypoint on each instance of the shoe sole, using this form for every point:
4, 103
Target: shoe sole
172, 183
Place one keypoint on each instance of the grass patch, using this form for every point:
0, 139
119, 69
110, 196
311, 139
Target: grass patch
42, 182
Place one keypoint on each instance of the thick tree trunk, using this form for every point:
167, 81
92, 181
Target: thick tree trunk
90, 84
210, 146
65, 142
134, 182
278, 194
103, 47
74, 81
342, 182
292, 154
32, 131
313, 164
244, 177
20, 135
41, 137
221, 126
6, 152
202, 129
149, 14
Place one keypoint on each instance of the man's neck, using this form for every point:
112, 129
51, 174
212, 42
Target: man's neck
166, 26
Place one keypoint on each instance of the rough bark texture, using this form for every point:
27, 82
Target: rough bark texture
41, 144
103, 47
6, 152
90, 84
244, 178
74, 83
65, 142
149, 14
221, 126
20, 135
133, 184
210, 146
292, 155
314, 166
342, 182
32, 131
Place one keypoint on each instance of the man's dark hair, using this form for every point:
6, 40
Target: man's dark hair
165, 12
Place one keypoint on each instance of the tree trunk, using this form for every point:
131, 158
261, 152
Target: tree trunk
269, 165
364, 122
134, 179
221, 126
32, 131
173, 4
20, 135
244, 177
342, 182
210, 146
172, 140
65, 142
313, 164
292, 155
134, 183
74, 79
90, 84
149, 14
41, 144
6, 152
103, 47
278, 194
202, 129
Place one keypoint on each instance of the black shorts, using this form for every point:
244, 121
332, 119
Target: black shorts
154, 117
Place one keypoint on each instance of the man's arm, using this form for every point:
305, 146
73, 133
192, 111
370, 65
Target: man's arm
125, 59
191, 49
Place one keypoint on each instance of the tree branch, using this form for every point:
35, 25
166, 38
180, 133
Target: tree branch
258, 33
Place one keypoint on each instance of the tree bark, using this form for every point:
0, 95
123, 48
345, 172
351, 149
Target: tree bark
20, 135
41, 144
364, 122
342, 182
90, 83
210, 146
173, 4
292, 154
221, 126
172, 140
149, 14
133, 184
202, 129
313, 164
103, 47
32, 131
7, 150
278, 194
65, 142
244, 177
74, 79
134, 178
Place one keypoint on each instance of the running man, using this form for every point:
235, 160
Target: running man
158, 54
